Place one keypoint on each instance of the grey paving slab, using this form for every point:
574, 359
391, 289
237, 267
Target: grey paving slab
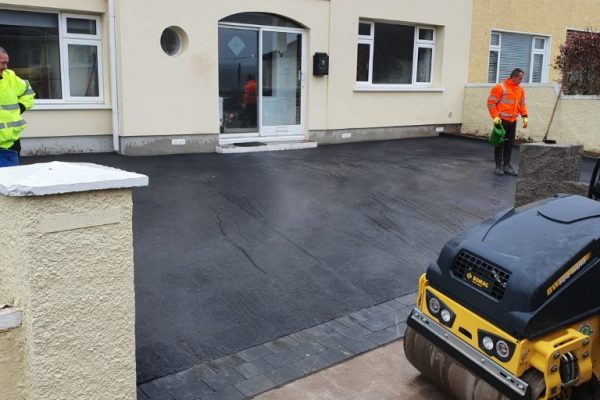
336, 354
141, 395
238, 250
229, 393
282, 358
223, 379
333, 340
190, 391
284, 374
173, 381
225, 363
311, 364
385, 321
164, 396
256, 385
255, 352
254, 368
387, 335
351, 320
309, 348
355, 332
360, 345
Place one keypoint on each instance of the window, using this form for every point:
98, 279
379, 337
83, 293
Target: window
394, 54
60, 54
514, 50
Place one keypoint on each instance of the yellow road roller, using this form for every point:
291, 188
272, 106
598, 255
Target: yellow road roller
511, 307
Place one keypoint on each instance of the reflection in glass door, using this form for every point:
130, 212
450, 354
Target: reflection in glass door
238, 85
281, 82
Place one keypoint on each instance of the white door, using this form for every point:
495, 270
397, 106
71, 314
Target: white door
261, 82
282, 83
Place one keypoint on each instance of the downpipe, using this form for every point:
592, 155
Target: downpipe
112, 52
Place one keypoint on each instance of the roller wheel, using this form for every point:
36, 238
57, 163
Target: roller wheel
451, 376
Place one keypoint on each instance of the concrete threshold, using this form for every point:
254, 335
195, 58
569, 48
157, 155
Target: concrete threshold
259, 146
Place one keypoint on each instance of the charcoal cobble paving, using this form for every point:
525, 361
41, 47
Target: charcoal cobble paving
256, 385
263, 367
190, 391
254, 368
229, 393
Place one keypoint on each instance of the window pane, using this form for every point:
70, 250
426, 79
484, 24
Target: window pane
393, 53
83, 70
362, 66
515, 53
364, 29
538, 62
238, 75
425, 34
31, 40
81, 26
424, 64
493, 67
495, 39
539, 43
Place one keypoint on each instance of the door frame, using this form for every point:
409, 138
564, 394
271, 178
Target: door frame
298, 133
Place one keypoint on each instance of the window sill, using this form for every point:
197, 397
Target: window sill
398, 89
71, 106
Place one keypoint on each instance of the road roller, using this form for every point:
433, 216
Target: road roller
511, 307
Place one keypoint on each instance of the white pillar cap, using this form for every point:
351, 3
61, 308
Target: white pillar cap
61, 177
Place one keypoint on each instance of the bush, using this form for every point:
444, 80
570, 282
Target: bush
579, 63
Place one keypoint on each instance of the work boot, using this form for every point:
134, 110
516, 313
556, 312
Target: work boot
498, 170
509, 170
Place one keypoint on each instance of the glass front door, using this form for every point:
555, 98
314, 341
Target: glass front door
238, 72
260, 96
281, 82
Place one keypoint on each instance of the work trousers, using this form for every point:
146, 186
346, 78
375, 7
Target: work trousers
503, 152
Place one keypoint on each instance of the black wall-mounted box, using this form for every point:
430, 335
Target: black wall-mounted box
320, 64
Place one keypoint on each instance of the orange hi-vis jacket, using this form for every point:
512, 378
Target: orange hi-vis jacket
507, 101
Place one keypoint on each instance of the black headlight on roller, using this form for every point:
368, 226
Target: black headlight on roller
439, 310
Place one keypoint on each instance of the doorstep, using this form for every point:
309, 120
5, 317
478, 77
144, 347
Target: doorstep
253, 147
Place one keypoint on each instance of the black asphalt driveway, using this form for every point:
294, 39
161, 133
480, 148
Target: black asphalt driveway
236, 250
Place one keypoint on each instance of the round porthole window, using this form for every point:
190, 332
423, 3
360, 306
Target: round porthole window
173, 40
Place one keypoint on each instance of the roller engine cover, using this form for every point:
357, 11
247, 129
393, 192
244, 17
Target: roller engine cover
529, 270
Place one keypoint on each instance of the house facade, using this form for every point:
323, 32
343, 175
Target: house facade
527, 34
144, 78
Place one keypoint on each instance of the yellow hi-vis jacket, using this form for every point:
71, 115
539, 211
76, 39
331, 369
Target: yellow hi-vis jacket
13, 91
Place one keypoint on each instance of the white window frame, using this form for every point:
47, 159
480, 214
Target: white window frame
495, 48
64, 39
417, 43
535, 51
423, 44
545, 52
370, 40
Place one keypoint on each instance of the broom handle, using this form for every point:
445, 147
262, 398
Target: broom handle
553, 112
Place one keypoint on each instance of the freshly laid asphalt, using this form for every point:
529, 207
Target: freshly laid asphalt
232, 251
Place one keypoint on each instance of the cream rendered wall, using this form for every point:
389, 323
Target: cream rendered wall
12, 367
162, 95
74, 282
70, 120
544, 17
348, 108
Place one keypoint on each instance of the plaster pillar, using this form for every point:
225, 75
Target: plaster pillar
67, 264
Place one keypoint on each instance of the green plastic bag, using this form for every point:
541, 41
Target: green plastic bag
497, 136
